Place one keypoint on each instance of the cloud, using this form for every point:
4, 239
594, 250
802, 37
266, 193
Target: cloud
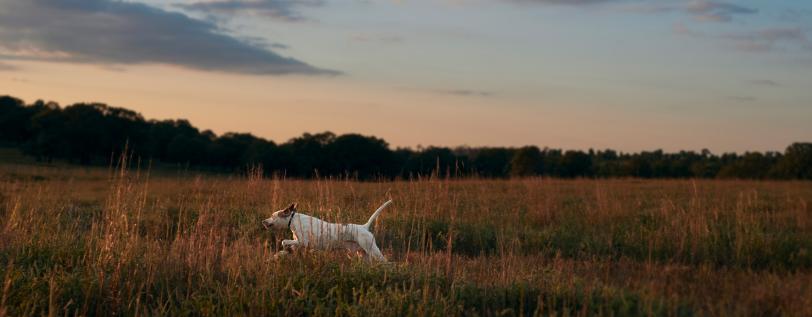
379, 38
262, 42
565, 2
760, 40
700, 10
795, 15
743, 98
287, 10
682, 29
764, 82
704, 10
464, 92
768, 39
114, 32
279, 46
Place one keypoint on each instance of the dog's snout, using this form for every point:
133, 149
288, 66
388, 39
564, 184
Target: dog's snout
265, 224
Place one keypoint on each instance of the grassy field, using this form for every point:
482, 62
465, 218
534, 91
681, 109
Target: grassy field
98, 242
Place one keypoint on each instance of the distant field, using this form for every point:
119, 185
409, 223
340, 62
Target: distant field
101, 241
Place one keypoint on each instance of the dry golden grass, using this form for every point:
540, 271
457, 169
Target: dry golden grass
100, 242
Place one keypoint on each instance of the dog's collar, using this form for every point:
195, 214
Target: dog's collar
291, 218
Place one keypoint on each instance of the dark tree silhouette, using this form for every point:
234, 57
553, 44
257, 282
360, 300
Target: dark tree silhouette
307, 153
796, 162
439, 161
492, 162
526, 161
94, 133
15, 120
576, 164
365, 157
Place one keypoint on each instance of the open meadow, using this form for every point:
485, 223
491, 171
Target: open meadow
94, 241
466, 158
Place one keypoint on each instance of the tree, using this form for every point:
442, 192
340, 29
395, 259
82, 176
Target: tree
229, 151
493, 162
93, 133
796, 162
14, 120
47, 127
439, 161
576, 164
749, 166
367, 157
639, 166
308, 153
526, 162
186, 149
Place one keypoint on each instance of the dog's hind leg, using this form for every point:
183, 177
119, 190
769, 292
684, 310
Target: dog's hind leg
375, 253
353, 249
367, 242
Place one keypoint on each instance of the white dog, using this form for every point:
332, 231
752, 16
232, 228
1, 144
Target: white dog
319, 234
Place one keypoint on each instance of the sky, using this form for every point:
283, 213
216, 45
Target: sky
629, 75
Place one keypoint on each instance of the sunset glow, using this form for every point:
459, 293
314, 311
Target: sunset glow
629, 75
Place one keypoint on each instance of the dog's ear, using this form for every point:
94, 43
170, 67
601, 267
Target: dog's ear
292, 207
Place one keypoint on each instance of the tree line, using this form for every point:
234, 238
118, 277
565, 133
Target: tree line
95, 133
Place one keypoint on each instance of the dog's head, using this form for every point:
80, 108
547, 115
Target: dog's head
280, 218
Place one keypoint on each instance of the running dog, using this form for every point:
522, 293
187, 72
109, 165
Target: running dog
311, 232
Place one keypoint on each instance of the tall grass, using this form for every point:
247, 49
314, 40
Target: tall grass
95, 242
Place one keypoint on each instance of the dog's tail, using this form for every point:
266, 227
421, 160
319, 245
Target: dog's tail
375, 215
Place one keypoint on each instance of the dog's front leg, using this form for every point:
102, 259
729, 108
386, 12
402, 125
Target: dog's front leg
292, 244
